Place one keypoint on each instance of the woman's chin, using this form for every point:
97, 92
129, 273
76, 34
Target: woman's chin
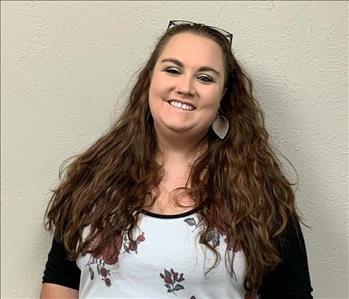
171, 124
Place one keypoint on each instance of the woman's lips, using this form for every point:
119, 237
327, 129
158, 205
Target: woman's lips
180, 109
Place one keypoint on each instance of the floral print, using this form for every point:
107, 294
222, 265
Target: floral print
192, 222
171, 278
215, 235
132, 245
99, 265
102, 271
110, 255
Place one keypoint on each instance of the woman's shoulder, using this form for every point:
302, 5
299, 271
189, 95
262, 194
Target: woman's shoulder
291, 237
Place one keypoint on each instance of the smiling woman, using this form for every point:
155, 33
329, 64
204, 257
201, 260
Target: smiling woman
190, 71
185, 178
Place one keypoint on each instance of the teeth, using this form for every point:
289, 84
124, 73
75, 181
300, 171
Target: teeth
181, 106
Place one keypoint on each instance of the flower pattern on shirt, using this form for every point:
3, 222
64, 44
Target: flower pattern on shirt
110, 255
214, 235
192, 222
171, 280
132, 245
214, 238
102, 270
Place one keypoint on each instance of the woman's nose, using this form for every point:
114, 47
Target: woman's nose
185, 86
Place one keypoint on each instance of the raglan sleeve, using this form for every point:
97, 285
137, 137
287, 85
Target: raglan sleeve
291, 278
58, 269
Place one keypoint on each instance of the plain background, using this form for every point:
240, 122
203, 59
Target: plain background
66, 69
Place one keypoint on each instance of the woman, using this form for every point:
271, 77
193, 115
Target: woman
183, 197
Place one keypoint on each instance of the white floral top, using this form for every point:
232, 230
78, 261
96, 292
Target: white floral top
166, 260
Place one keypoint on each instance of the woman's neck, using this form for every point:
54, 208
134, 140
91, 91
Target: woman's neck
177, 157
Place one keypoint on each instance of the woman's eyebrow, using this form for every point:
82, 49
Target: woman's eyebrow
180, 64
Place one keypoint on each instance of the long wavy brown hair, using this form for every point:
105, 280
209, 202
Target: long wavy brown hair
237, 182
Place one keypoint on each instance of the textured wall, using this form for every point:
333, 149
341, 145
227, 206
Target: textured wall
67, 66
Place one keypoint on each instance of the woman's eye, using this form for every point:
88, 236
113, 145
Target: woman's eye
172, 71
205, 79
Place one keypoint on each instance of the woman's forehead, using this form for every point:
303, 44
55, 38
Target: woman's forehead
193, 49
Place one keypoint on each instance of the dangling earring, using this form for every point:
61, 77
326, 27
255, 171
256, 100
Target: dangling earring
220, 126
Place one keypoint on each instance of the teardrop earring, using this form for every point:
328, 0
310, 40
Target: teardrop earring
220, 126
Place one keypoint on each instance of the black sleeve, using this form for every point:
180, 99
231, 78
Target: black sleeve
290, 279
60, 270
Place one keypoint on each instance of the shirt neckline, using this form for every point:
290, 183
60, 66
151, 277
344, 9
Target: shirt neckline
172, 216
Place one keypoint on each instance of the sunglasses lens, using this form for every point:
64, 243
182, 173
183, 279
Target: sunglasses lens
178, 23
225, 33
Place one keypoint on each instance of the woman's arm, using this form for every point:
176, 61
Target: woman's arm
61, 277
55, 291
291, 278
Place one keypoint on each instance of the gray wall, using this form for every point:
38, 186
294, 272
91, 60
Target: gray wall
65, 71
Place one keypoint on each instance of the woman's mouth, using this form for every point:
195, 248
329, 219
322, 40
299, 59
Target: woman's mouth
181, 106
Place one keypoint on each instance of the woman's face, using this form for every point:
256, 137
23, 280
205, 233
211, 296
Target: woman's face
189, 71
